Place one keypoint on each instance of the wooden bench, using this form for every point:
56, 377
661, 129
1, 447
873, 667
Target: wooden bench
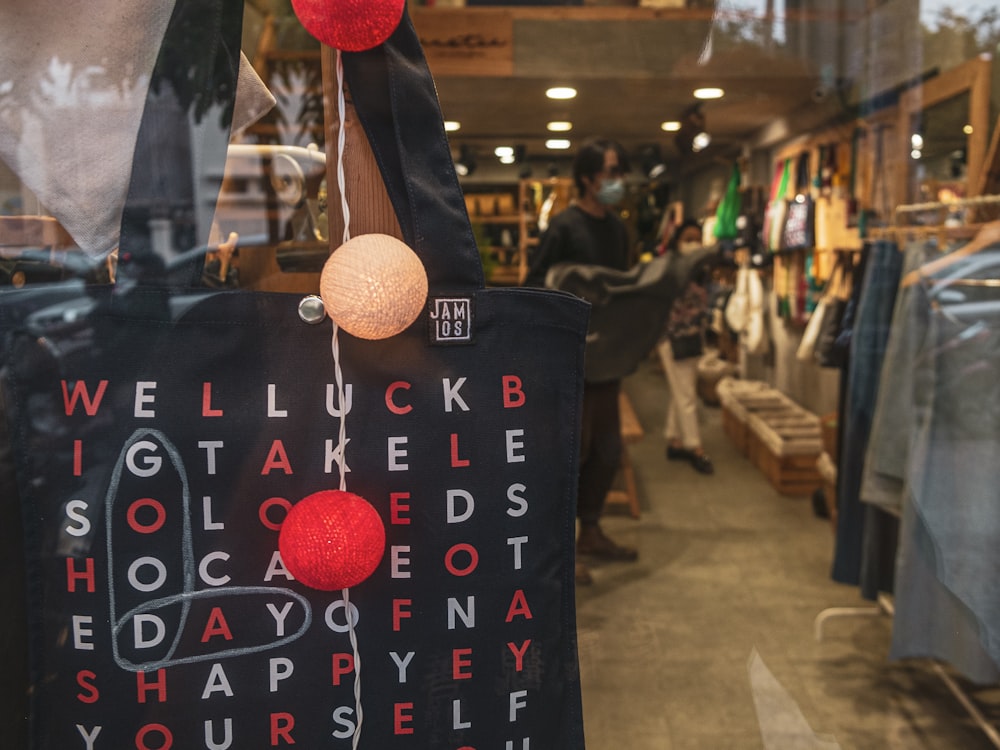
632, 432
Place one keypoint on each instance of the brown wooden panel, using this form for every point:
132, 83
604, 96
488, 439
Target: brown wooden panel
467, 43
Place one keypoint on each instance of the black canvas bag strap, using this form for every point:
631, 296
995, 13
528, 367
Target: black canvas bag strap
396, 101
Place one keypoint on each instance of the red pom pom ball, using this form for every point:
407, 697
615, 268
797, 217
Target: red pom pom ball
350, 25
332, 540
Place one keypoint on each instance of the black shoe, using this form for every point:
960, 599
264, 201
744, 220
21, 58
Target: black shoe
678, 454
702, 463
592, 541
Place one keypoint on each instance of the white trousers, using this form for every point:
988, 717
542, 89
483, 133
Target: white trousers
682, 406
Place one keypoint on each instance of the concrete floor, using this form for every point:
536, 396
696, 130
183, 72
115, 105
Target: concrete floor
708, 642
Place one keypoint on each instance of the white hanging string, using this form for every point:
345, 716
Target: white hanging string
341, 139
339, 375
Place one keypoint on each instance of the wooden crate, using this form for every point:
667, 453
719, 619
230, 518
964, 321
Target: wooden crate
790, 423
736, 416
785, 447
828, 472
734, 428
830, 434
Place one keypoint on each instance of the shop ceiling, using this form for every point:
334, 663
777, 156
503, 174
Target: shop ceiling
633, 69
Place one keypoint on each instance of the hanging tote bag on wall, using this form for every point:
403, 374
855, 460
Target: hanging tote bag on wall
828, 352
738, 304
799, 229
163, 434
807, 345
777, 207
810, 336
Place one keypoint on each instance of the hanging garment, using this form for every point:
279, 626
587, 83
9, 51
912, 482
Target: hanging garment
757, 338
870, 332
628, 308
947, 605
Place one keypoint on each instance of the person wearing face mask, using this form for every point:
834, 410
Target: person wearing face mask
589, 231
679, 348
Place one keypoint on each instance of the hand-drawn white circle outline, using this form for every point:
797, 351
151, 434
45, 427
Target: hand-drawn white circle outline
187, 555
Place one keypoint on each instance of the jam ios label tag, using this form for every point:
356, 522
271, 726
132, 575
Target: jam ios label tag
450, 320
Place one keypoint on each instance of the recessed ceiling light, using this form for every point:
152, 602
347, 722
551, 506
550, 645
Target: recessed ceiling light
561, 92
451, 126
508, 159
701, 141
671, 126
557, 144
709, 93
559, 126
503, 151
967, 129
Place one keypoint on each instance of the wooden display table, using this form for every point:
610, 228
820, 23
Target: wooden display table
632, 432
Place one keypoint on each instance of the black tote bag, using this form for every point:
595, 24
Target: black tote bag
799, 231
161, 432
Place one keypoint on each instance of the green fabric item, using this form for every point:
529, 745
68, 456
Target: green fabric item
729, 209
785, 176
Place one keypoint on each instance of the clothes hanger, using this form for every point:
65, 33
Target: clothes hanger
988, 235
962, 275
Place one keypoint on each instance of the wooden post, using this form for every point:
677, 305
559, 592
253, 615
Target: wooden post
367, 199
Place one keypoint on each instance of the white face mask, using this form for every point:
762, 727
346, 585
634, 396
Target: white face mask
611, 192
686, 248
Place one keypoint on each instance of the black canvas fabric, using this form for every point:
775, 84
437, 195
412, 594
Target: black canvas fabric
628, 308
799, 230
160, 432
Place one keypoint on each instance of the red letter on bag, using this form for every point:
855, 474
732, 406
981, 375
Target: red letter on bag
513, 394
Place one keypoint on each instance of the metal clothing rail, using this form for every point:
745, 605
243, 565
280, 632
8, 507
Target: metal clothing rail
884, 606
979, 200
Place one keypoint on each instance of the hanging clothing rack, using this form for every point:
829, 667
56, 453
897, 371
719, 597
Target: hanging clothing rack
884, 603
974, 201
942, 230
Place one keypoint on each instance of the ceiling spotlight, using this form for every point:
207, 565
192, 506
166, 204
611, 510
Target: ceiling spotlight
466, 163
561, 92
557, 144
709, 93
503, 152
559, 126
967, 129
451, 126
508, 159
916, 141
700, 141
915, 153
671, 126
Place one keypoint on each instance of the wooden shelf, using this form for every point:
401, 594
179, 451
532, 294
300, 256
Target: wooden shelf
495, 219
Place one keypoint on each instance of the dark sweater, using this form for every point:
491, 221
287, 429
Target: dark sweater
574, 236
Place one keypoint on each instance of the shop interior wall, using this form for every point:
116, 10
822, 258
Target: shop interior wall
883, 50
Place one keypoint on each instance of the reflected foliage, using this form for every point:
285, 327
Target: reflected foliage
968, 30
191, 73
